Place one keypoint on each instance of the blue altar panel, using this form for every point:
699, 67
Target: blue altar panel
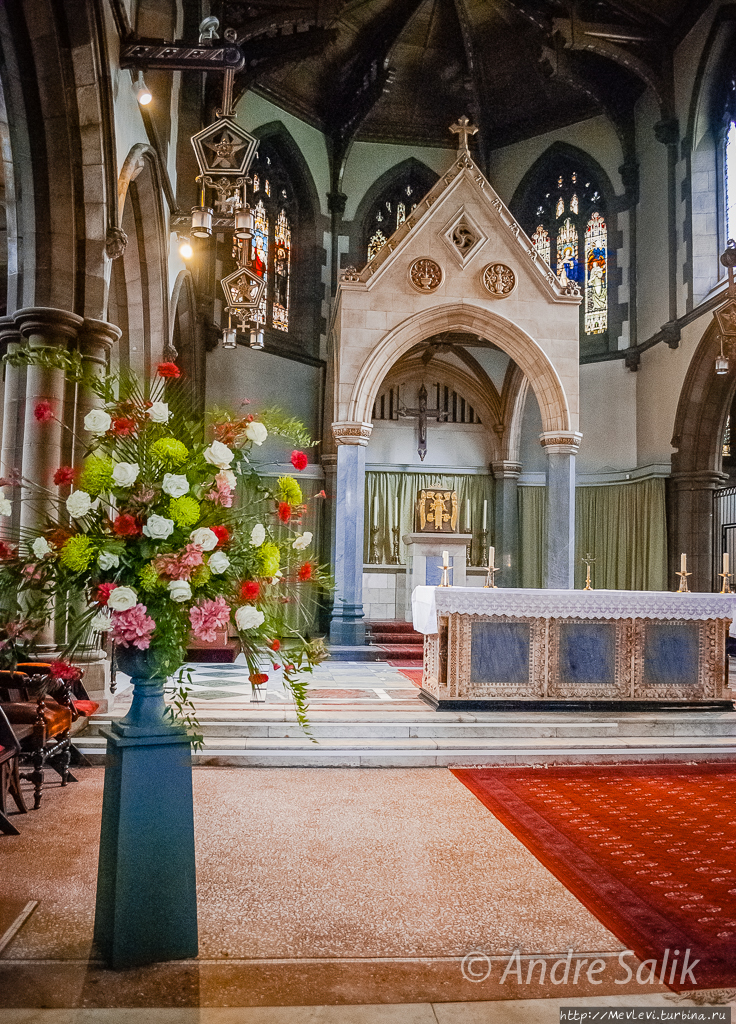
671, 654
499, 652
587, 653
434, 570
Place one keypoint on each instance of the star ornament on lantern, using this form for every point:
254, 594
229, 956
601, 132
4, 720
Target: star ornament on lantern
726, 317
243, 289
224, 148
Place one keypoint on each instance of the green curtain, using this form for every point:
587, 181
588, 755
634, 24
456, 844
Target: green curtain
387, 487
532, 535
623, 526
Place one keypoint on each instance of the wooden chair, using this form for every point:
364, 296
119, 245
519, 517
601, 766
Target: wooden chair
41, 726
9, 775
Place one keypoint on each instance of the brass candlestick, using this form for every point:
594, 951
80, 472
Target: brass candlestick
726, 577
490, 582
395, 531
374, 556
683, 588
588, 561
445, 576
483, 547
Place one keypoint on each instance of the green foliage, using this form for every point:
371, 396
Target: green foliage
181, 710
281, 425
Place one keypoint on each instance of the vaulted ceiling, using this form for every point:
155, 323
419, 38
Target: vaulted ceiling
403, 70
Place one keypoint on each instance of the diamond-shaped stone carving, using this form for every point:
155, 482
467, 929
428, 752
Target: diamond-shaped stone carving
224, 148
463, 237
243, 289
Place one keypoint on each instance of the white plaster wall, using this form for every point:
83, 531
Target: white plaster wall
452, 446
367, 161
531, 453
607, 418
652, 239
494, 362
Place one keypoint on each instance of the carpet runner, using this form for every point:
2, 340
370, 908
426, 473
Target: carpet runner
398, 640
649, 849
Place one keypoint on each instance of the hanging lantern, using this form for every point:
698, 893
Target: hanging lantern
202, 221
244, 223
256, 337
721, 364
243, 290
224, 148
230, 337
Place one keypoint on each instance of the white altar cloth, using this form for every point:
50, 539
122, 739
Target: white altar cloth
427, 602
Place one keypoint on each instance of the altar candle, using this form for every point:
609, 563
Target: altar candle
445, 559
683, 562
375, 511
467, 514
396, 511
491, 558
485, 514
725, 561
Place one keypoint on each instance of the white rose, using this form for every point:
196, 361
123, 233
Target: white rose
159, 412
122, 599
97, 421
6, 508
41, 547
228, 477
204, 538
248, 617
158, 527
107, 560
125, 474
218, 454
218, 562
303, 542
78, 504
101, 623
258, 535
179, 590
256, 432
175, 484
276, 578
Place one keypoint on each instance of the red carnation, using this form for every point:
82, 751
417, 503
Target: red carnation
305, 572
284, 511
320, 494
6, 551
43, 412
127, 526
276, 645
222, 533
250, 590
102, 596
168, 370
258, 678
123, 426
299, 460
64, 475
63, 670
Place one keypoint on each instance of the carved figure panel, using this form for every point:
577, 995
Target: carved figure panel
437, 511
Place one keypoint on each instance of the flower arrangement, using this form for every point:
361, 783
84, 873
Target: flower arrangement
146, 539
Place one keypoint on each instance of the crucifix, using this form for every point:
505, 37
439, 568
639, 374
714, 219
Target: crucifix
422, 413
462, 128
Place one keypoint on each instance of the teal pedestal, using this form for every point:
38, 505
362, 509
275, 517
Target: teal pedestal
146, 888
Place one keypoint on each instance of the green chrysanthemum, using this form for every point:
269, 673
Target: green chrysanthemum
185, 511
269, 559
201, 576
290, 490
150, 579
170, 451
96, 475
77, 553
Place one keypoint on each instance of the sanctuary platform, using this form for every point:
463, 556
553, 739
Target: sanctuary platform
512, 649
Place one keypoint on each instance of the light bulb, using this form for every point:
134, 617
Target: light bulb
142, 92
185, 248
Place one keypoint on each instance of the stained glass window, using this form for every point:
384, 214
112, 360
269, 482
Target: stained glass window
391, 207
568, 265
256, 187
560, 206
574, 206
267, 187
400, 214
730, 167
259, 265
281, 272
596, 285
376, 243
540, 241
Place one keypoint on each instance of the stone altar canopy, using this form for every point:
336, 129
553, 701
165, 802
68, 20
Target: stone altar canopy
460, 262
513, 648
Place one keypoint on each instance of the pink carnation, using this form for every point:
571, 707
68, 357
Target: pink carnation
222, 493
133, 628
208, 617
179, 567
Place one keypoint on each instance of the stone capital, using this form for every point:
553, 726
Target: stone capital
54, 326
9, 333
560, 442
504, 469
96, 338
699, 480
352, 432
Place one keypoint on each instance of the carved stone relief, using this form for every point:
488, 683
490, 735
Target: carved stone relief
425, 275
498, 279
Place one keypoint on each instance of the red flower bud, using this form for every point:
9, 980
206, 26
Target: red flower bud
284, 511
250, 590
299, 460
168, 370
43, 412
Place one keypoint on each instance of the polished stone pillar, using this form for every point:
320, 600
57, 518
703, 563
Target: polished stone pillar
347, 627
96, 339
693, 527
11, 443
560, 447
506, 521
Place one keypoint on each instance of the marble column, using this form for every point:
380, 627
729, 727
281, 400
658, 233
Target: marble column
11, 444
560, 447
347, 627
506, 521
692, 527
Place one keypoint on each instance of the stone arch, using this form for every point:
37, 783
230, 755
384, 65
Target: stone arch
700, 421
184, 338
464, 317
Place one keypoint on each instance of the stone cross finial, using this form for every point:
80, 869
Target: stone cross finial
463, 129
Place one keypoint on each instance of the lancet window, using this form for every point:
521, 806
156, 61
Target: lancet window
394, 206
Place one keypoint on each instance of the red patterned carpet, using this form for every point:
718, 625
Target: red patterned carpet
649, 849
412, 670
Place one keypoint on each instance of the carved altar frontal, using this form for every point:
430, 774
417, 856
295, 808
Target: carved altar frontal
668, 651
